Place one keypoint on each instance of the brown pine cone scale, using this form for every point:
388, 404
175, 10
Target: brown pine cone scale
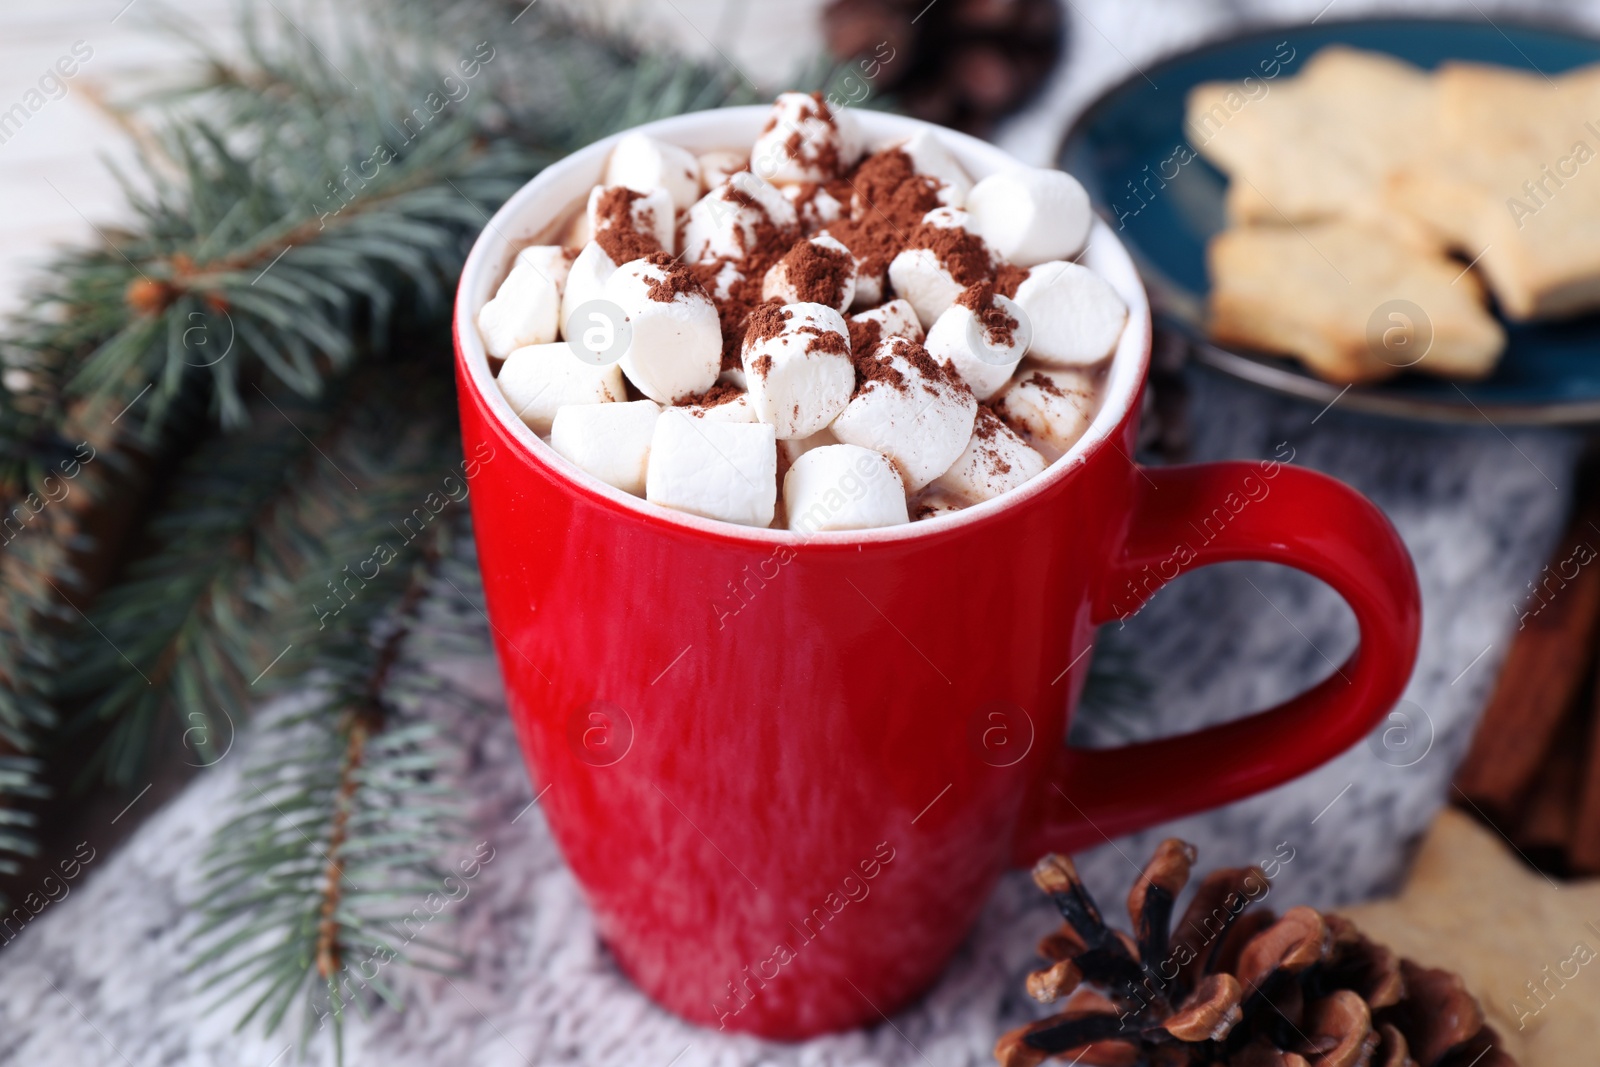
1232, 984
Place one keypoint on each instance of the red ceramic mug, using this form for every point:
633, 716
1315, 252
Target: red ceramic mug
788, 771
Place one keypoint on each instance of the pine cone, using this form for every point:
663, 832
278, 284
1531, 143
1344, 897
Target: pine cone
1234, 984
960, 63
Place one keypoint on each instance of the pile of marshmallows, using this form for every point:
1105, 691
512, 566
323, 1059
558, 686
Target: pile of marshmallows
879, 338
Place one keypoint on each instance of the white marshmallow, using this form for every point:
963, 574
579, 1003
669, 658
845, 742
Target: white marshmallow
578, 232
795, 447
1030, 215
609, 441
919, 277
720, 164
983, 358
733, 376
526, 309
929, 156
922, 276
795, 382
645, 164
934, 501
843, 487
1054, 406
897, 318
949, 218
649, 213
922, 423
814, 205
870, 288
1077, 317
719, 225
782, 281
995, 460
676, 346
805, 141
719, 470
586, 281
541, 379
736, 410
728, 275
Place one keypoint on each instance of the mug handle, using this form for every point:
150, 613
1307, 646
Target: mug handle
1305, 520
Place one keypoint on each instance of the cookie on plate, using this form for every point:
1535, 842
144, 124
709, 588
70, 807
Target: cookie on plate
1351, 300
1511, 180
1320, 144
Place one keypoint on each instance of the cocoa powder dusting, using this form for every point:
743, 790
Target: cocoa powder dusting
817, 274
825, 341
823, 153
999, 328
805, 197
953, 378
887, 200
717, 395
1007, 277
765, 322
761, 247
875, 366
1048, 387
963, 254
676, 279
864, 334
986, 431
615, 230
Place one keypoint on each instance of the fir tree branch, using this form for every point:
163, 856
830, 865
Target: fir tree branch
342, 819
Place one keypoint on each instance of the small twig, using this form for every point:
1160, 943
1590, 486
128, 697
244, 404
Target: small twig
368, 718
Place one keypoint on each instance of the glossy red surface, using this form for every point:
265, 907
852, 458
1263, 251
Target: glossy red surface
788, 776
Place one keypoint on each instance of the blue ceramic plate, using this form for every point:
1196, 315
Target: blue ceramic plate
1550, 373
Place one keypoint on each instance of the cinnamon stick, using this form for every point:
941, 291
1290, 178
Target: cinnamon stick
1544, 830
1583, 850
1548, 662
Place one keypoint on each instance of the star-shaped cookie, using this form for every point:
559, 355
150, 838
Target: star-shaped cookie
1527, 947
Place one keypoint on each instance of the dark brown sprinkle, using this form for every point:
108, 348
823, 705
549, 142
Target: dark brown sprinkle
986, 429
676, 279
1007, 277
963, 254
817, 273
825, 341
765, 322
925, 365
864, 333
762, 365
616, 231
953, 377
988, 423
1042, 382
822, 154
887, 200
999, 328
717, 395
805, 197
888, 187
770, 243
874, 366
823, 111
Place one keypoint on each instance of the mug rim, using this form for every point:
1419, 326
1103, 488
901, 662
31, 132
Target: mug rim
529, 213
